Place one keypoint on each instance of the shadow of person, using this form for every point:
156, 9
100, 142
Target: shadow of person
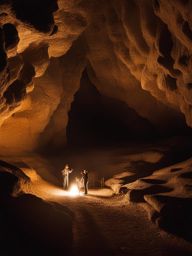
29, 225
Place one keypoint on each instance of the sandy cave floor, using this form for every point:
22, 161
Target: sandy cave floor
112, 227
108, 225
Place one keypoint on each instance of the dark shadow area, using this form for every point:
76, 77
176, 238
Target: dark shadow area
11, 35
29, 225
165, 59
187, 175
176, 216
45, 175
176, 169
15, 92
142, 169
153, 181
33, 12
4, 166
97, 244
178, 150
137, 195
97, 120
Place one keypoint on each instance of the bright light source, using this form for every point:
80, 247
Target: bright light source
74, 191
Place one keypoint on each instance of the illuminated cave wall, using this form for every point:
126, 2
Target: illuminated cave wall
136, 51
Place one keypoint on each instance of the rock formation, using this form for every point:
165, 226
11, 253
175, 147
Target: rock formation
137, 51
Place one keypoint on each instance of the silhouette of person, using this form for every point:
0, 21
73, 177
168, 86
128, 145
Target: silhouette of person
85, 179
65, 172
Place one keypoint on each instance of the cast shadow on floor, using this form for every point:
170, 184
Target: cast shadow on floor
31, 226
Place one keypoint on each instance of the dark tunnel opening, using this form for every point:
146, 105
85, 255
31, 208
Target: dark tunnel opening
98, 120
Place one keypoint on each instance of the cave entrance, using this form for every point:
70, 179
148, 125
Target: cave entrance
97, 120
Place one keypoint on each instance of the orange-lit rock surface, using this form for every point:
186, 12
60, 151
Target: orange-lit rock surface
136, 51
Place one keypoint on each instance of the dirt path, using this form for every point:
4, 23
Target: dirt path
112, 227
109, 226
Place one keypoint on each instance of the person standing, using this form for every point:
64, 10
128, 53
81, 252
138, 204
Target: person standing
65, 172
85, 179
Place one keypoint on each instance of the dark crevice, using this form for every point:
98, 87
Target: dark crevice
27, 73
3, 14
189, 86
165, 48
11, 35
15, 92
187, 30
168, 63
156, 5
165, 42
176, 169
38, 13
54, 31
184, 60
171, 83
3, 56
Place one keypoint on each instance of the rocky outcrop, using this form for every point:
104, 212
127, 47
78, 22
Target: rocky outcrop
164, 192
6, 167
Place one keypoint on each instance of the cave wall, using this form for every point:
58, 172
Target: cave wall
38, 73
136, 51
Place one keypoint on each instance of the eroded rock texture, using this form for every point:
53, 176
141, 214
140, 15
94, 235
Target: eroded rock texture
136, 51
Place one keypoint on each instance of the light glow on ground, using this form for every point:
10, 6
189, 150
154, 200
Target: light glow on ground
72, 192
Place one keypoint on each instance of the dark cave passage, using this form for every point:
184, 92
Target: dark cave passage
97, 120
